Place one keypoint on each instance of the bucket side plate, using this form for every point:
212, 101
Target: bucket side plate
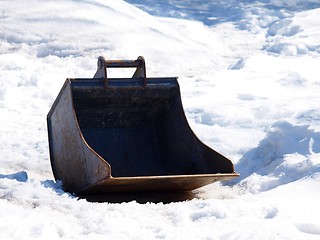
72, 160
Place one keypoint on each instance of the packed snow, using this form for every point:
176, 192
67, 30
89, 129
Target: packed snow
249, 77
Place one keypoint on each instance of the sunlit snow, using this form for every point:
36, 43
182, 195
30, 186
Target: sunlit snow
249, 77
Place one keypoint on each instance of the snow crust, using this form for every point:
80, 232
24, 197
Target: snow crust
249, 77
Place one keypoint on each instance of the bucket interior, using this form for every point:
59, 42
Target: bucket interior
143, 131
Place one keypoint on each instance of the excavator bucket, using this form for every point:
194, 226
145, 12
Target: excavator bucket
118, 135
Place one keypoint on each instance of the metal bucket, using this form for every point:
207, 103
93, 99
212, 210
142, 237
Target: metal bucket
127, 135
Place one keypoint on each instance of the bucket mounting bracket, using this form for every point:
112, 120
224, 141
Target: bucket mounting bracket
139, 64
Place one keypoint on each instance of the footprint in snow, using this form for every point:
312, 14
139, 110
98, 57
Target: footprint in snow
310, 228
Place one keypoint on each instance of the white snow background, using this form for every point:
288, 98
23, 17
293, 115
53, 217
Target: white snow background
249, 76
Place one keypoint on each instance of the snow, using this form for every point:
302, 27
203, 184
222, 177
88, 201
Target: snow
248, 72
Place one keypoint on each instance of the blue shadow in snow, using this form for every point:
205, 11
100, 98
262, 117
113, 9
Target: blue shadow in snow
214, 12
272, 156
21, 176
56, 187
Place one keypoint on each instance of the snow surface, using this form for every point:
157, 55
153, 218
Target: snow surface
249, 77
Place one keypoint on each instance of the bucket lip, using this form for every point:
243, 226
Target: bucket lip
206, 175
129, 79
125, 82
159, 183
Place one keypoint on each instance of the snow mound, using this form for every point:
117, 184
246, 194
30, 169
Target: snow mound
295, 34
288, 153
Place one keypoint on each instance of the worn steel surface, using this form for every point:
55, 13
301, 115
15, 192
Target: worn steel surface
73, 161
126, 135
156, 183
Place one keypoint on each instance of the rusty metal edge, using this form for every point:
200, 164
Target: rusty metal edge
157, 183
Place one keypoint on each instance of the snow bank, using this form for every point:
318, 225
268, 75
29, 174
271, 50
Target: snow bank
249, 79
288, 153
294, 35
